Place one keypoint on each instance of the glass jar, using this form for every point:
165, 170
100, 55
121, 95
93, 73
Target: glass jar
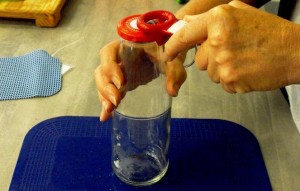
141, 122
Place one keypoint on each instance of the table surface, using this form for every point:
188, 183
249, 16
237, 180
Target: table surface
88, 25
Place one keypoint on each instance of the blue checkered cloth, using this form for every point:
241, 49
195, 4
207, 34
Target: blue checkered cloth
31, 75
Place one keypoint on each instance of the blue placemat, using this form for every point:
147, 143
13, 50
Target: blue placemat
73, 153
34, 74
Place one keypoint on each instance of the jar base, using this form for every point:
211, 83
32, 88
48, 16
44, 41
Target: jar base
143, 183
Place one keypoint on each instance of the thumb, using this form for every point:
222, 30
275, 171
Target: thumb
195, 32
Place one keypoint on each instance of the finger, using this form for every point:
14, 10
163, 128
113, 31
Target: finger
109, 53
201, 57
227, 87
242, 87
213, 66
110, 93
109, 63
106, 87
106, 104
176, 75
107, 108
235, 86
195, 32
108, 75
213, 72
104, 115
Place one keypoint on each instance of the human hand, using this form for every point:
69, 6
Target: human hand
110, 78
242, 48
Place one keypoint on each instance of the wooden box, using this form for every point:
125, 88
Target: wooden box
46, 13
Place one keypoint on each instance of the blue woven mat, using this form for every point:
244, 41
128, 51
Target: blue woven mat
73, 153
34, 74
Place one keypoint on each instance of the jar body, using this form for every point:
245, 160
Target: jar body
141, 123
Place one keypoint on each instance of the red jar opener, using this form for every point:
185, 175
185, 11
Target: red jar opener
153, 26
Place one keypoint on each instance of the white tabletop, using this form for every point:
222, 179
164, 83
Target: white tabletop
88, 25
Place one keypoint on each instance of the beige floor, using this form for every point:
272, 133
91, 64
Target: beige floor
91, 24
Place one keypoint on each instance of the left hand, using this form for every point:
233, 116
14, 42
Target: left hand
110, 78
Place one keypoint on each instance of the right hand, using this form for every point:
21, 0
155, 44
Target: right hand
110, 78
242, 48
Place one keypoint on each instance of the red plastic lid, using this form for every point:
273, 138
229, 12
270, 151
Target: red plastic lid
128, 30
149, 27
161, 21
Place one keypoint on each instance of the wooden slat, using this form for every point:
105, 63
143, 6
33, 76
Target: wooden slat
46, 13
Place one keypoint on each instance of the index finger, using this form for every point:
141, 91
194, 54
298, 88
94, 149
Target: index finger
109, 53
195, 32
109, 64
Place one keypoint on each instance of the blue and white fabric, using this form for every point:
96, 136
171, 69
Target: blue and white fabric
31, 75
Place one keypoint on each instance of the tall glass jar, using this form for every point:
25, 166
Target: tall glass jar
141, 123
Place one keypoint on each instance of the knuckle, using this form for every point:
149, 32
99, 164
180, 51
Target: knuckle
181, 37
225, 57
217, 39
228, 68
221, 10
222, 26
228, 75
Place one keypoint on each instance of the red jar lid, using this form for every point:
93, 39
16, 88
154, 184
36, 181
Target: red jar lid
128, 30
149, 27
162, 19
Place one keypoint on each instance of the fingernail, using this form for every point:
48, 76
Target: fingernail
117, 82
176, 88
113, 100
